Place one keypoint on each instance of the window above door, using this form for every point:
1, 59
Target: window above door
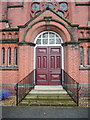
48, 38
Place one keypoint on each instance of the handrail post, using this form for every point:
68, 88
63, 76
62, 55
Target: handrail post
17, 94
77, 94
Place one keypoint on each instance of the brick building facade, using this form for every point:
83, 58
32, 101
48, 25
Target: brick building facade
21, 26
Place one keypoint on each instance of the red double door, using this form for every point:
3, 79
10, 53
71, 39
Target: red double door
48, 65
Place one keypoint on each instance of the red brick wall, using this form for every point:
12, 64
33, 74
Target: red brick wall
78, 14
26, 61
9, 76
72, 61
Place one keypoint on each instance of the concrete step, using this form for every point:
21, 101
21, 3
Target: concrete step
48, 87
47, 103
49, 97
50, 101
48, 92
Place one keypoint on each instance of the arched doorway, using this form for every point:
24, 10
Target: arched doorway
48, 58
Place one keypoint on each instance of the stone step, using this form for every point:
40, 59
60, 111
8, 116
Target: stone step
50, 101
47, 97
48, 87
47, 103
48, 92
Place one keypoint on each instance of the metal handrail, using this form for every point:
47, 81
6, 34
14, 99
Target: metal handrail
71, 86
24, 86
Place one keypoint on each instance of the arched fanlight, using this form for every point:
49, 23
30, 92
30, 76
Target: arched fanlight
47, 38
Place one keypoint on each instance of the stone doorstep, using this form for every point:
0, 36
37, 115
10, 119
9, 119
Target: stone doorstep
47, 92
56, 86
38, 87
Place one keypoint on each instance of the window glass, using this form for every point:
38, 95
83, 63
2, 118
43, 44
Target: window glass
52, 41
35, 6
61, 13
39, 37
63, 6
58, 41
16, 35
81, 55
3, 36
51, 35
15, 56
9, 56
3, 56
9, 35
45, 35
45, 41
38, 41
48, 38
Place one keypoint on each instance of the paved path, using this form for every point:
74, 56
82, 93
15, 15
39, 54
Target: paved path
44, 112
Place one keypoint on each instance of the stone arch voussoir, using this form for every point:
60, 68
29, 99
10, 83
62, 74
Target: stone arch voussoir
34, 30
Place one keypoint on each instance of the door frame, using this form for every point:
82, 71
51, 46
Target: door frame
62, 54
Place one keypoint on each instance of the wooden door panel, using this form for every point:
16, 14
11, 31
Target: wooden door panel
44, 60
42, 50
38, 61
58, 64
55, 79
42, 79
52, 62
55, 50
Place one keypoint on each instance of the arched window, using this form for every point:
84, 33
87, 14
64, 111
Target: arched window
16, 56
16, 35
3, 36
3, 56
9, 35
9, 56
88, 56
81, 55
88, 34
81, 34
48, 38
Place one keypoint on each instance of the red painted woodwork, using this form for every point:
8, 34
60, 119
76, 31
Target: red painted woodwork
48, 65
